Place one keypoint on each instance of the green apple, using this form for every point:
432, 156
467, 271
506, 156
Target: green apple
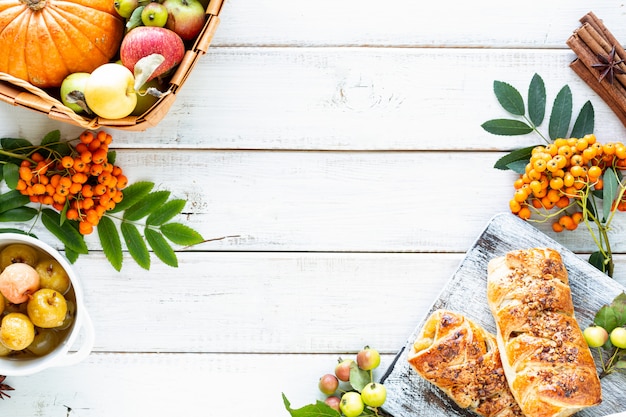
125, 8
47, 308
73, 91
110, 91
145, 97
154, 14
374, 394
351, 404
52, 275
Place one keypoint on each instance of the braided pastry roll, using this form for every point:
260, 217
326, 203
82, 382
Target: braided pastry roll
547, 363
462, 359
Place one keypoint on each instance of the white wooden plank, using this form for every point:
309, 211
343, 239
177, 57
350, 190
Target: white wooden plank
160, 385
535, 23
345, 99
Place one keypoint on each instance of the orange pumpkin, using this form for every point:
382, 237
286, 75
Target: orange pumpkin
43, 41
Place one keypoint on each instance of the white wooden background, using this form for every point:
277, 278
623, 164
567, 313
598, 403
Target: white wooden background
341, 143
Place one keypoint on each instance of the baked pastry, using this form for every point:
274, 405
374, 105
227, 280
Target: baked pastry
547, 363
462, 359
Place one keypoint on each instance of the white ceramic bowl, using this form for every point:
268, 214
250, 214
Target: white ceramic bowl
61, 355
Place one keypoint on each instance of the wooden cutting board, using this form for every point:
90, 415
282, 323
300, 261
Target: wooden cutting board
408, 395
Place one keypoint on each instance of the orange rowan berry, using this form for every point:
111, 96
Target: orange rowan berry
567, 222
122, 181
25, 173
535, 186
62, 191
577, 217
118, 196
42, 167
104, 178
568, 179
524, 213
599, 184
21, 185
539, 165
50, 189
609, 148
520, 195
514, 206
86, 157
552, 165
39, 189
86, 137
566, 151
85, 228
556, 183
67, 161
88, 203
100, 209
620, 150
576, 160
95, 170
99, 189
582, 144
563, 202
46, 199
92, 217
553, 196
59, 198
534, 175
104, 200
589, 154
599, 148
79, 165
621, 206
71, 214
110, 205
594, 171
95, 144
117, 171
79, 178
556, 226
37, 157
561, 161
82, 147
517, 184
34, 198
25, 163
99, 156
65, 182
107, 167
551, 149
558, 142
43, 179
87, 191
75, 188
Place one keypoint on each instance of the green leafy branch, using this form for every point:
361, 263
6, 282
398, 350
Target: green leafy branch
141, 209
598, 206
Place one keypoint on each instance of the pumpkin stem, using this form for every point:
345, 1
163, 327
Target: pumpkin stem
35, 4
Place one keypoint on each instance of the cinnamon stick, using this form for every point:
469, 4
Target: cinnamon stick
588, 42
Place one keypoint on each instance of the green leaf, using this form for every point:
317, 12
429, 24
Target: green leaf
12, 199
66, 233
51, 137
597, 260
181, 234
18, 231
71, 255
146, 205
358, 377
18, 214
111, 157
136, 245
135, 19
11, 175
522, 154
111, 243
319, 409
509, 98
161, 248
506, 127
561, 114
619, 308
16, 145
620, 364
132, 194
584, 123
609, 191
536, 100
605, 317
166, 212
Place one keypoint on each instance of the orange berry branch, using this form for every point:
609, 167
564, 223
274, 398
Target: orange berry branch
573, 178
76, 189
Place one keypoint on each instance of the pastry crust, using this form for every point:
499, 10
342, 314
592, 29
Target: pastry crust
462, 359
547, 362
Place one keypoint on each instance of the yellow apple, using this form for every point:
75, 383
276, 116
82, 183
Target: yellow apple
110, 91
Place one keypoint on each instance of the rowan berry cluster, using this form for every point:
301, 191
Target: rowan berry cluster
559, 175
84, 183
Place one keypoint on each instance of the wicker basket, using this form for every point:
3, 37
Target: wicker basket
23, 94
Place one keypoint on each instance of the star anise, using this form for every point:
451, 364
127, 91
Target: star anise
4, 387
608, 66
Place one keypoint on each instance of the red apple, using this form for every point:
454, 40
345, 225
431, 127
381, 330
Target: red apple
185, 17
148, 40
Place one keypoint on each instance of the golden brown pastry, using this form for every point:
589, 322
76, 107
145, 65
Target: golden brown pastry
462, 359
547, 363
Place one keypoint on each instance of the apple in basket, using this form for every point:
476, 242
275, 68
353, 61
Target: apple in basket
144, 41
110, 91
185, 17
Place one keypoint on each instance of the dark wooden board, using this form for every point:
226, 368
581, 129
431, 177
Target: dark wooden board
408, 395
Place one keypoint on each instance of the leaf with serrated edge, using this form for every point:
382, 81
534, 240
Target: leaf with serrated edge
161, 248
536, 100
561, 115
319, 409
111, 243
136, 245
132, 194
609, 191
146, 205
11, 175
522, 154
584, 123
18, 214
12, 199
67, 234
181, 234
506, 127
509, 98
166, 212
17, 145
53, 136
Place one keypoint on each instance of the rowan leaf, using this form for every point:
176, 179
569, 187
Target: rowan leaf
111, 243
536, 100
181, 234
18, 214
506, 127
161, 248
66, 233
136, 245
146, 205
561, 115
584, 123
53, 136
609, 191
518, 155
12, 199
11, 175
509, 98
132, 194
166, 212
